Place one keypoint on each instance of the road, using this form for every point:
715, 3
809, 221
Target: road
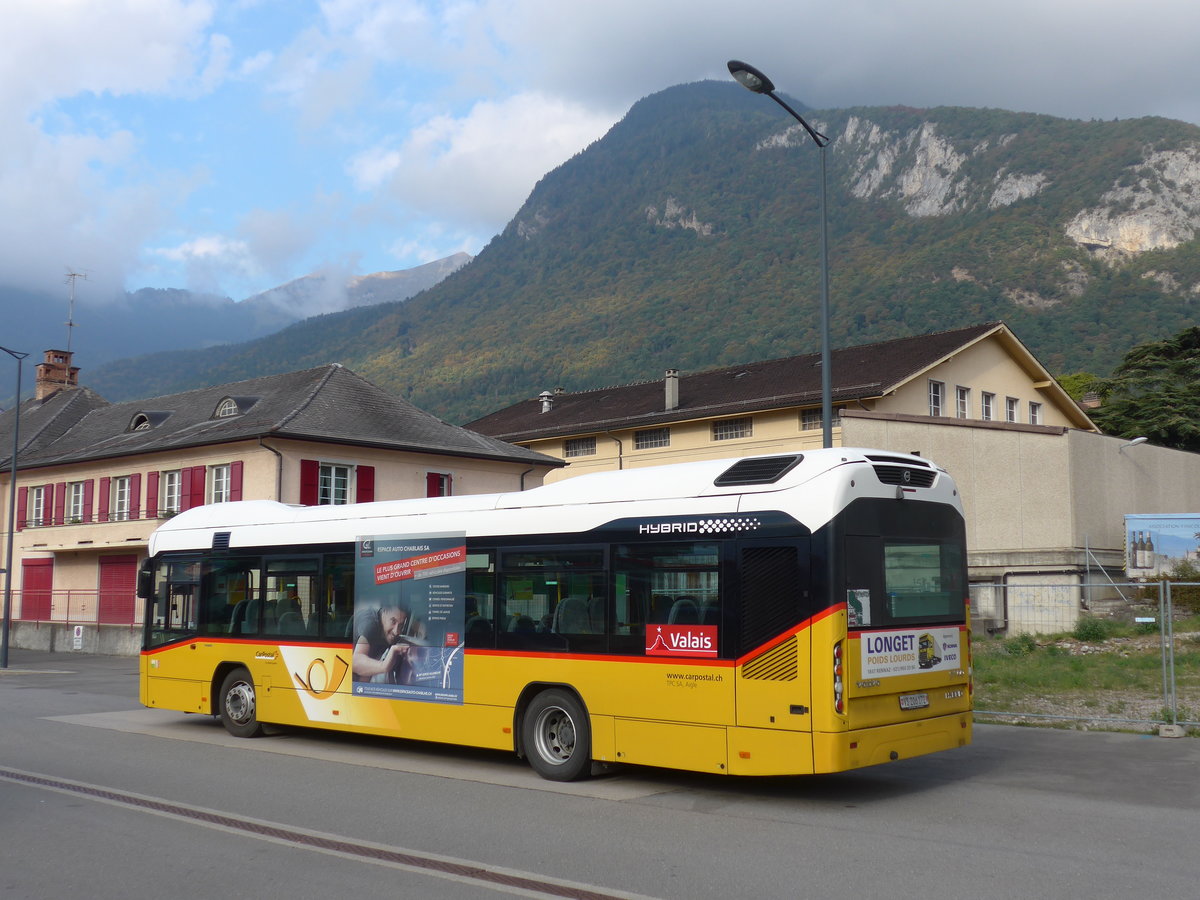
101, 798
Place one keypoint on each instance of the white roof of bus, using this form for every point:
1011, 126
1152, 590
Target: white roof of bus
670, 482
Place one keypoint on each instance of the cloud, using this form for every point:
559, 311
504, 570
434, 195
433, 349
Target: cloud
74, 188
477, 169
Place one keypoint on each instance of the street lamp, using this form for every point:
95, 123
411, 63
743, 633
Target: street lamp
754, 80
12, 513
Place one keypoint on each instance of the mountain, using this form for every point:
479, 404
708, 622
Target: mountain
175, 320
688, 238
324, 292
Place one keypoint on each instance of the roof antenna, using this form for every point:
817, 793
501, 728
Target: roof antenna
71, 276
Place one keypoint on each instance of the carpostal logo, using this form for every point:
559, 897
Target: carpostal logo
721, 525
681, 640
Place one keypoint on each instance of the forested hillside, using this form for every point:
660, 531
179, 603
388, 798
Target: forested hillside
688, 238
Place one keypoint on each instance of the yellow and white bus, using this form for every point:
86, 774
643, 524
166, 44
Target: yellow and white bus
790, 614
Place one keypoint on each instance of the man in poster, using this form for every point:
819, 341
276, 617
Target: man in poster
409, 616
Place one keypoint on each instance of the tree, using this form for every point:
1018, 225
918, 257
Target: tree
1155, 393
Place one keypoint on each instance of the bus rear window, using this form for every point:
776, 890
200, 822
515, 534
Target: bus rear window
922, 580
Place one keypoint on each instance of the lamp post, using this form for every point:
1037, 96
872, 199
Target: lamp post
754, 80
12, 512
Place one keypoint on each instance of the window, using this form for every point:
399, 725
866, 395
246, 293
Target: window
987, 410
438, 484
649, 438
675, 584
730, 429
1011, 407
1035, 413
810, 420
140, 422
219, 492
937, 397
962, 398
333, 485
37, 507
227, 407
120, 499
579, 447
553, 599
76, 502
169, 500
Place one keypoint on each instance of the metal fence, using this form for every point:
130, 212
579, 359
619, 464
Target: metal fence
1106, 654
77, 607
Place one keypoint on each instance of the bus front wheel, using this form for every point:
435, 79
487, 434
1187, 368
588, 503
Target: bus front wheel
557, 736
239, 708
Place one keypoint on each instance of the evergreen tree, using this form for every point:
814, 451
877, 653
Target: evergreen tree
1155, 392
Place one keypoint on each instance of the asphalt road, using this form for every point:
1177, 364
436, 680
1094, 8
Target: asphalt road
100, 798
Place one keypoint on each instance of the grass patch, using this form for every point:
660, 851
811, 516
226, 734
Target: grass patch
1102, 668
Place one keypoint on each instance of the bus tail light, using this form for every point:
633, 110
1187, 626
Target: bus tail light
839, 701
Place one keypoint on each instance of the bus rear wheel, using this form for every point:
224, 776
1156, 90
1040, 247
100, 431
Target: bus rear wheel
556, 736
238, 705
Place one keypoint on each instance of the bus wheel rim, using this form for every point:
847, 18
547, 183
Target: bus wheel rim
555, 735
239, 703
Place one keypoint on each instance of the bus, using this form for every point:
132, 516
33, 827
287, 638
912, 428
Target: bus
789, 614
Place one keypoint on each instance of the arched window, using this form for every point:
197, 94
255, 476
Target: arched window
227, 407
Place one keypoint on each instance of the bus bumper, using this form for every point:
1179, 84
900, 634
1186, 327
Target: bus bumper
837, 752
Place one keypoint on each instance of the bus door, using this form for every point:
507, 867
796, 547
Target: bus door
772, 610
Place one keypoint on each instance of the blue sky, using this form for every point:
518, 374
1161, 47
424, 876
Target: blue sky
232, 146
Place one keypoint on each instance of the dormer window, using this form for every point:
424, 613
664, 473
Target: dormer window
233, 406
147, 419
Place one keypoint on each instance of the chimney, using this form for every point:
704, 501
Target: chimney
547, 399
55, 373
671, 386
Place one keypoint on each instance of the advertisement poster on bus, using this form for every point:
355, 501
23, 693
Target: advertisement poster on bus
885, 654
409, 614
1155, 545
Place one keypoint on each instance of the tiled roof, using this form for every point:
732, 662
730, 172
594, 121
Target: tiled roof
328, 403
45, 421
870, 370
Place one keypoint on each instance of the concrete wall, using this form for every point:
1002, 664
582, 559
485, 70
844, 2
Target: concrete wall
59, 637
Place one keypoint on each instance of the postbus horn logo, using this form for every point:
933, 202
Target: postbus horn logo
330, 683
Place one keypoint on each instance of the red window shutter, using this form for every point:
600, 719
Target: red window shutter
364, 484
191, 488
199, 498
310, 474
433, 484
89, 497
22, 507
105, 494
135, 494
60, 503
235, 479
151, 495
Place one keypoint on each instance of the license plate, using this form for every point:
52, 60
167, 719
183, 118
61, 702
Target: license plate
914, 701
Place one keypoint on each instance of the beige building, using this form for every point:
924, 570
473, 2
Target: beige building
94, 479
1044, 492
979, 374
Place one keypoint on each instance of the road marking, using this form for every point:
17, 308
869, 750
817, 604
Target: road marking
399, 756
511, 881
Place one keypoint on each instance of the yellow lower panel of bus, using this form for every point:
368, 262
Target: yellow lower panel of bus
700, 748
871, 746
763, 751
175, 693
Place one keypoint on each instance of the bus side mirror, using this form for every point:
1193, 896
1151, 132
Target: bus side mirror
145, 581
